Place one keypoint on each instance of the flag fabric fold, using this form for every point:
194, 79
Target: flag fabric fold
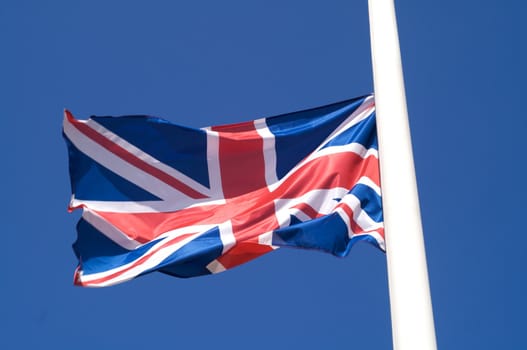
156, 196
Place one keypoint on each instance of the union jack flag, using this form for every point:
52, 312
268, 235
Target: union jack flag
156, 196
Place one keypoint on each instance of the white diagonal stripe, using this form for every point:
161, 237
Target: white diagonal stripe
153, 260
109, 230
362, 112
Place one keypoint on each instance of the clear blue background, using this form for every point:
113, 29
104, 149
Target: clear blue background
210, 62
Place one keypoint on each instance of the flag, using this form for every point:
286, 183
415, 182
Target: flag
156, 196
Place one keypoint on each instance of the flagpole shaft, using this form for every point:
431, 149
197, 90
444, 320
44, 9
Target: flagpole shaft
410, 301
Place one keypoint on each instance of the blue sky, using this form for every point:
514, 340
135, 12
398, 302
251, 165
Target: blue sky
208, 62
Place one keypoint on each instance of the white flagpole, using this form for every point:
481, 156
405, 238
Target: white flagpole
410, 301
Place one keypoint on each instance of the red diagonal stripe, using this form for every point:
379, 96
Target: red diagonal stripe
138, 262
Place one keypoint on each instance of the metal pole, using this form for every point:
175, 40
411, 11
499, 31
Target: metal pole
410, 301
